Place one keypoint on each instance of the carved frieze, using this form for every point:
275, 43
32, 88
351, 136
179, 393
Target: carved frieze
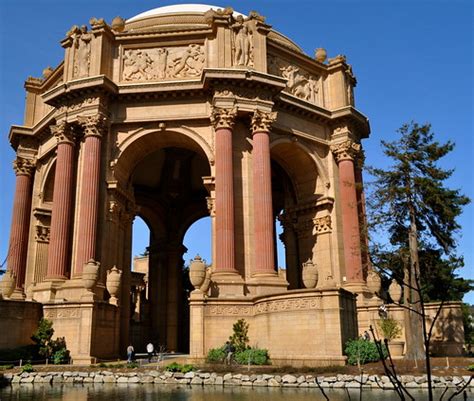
322, 225
243, 93
223, 118
300, 83
42, 234
163, 63
24, 166
347, 150
262, 121
63, 313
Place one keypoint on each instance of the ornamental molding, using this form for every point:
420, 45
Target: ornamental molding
63, 132
211, 205
93, 125
322, 225
347, 150
63, 313
262, 121
223, 118
23, 166
42, 234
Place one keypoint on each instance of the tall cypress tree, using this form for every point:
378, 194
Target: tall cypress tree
412, 204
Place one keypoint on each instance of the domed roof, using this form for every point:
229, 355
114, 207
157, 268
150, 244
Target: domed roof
191, 16
175, 9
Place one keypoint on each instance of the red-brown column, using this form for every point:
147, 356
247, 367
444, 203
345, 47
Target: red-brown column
20, 220
60, 234
262, 194
86, 238
223, 121
345, 153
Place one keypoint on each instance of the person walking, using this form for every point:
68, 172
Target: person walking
229, 351
150, 349
130, 352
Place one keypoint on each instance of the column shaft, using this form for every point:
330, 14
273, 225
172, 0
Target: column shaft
88, 203
263, 207
350, 221
224, 203
59, 245
20, 222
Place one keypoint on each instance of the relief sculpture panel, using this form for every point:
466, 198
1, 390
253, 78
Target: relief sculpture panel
300, 83
163, 63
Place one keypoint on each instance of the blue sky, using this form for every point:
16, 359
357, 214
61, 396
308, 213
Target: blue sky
413, 60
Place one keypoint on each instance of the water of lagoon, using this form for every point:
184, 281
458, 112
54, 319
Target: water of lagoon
149, 392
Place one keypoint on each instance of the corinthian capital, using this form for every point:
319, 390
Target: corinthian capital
93, 125
347, 150
23, 166
223, 118
262, 121
63, 132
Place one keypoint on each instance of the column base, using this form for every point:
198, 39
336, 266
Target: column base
18, 295
227, 285
266, 283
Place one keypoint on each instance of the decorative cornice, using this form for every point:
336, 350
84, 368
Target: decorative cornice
24, 166
93, 125
63, 132
347, 150
223, 118
262, 121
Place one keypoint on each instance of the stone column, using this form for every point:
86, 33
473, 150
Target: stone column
262, 182
223, 121
18, 248
60, 232
345, 153
86, 239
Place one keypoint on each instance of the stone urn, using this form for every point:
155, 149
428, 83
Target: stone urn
310, 274
197, 272
7, 285
118, 24
90, 274
396, 348
114, 277
395, 291
374, 282
320, 55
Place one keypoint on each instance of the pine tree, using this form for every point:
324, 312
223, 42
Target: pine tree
411, 202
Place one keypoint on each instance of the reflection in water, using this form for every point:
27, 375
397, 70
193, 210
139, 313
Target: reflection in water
149, 392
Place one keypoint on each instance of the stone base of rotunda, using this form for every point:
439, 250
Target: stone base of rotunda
91, 329
298, 327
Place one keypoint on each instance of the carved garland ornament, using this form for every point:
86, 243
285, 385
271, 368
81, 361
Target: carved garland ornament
23, 166
223, 118
262, 121
347, 150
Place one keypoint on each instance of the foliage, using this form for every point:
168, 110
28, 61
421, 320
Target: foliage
470, 368
131, 365
6, 367
177, 367
468, 323
252, 356
390, 328
239, 338
27, 352
28, 368
362, 351
215, 355
49, 348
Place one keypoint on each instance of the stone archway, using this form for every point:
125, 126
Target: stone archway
167, 185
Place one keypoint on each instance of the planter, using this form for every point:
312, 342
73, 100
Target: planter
197, 272
114, 277
374, 282
310, 274
396, 348
90, 274
7, 285
395, 291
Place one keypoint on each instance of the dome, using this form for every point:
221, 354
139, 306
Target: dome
176, 9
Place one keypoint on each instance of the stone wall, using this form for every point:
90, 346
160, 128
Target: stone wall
300, 327
18, 321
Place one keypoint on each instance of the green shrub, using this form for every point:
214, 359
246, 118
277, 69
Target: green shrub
362, 351
61, 356
27, 352
28, 368
177, 367
131, 365
215, 355
5, 367
470, 368
252, 356
239, 339
390, 328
